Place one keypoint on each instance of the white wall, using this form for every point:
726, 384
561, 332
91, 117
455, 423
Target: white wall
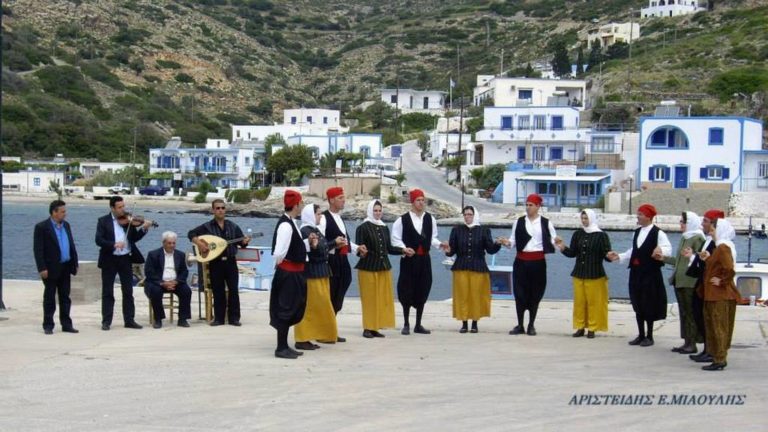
505, 91
313, 116
31, 181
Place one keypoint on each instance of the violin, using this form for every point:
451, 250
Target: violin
135, 220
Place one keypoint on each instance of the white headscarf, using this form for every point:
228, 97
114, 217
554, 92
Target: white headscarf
592, 216
369, 213
725, 235
308, 216
692, 226
475, 219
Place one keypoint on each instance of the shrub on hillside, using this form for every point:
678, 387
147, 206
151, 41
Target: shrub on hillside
745, 80
67, 83
101, 73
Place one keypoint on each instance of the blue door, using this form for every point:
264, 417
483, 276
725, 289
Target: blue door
681, 177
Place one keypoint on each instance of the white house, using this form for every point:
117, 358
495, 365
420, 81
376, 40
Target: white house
512, 92
31, 181
442, 144
300, 121
313, 117
609, 34
702, 153
369, 144
408, 100
224, 164
668, 8
90, 169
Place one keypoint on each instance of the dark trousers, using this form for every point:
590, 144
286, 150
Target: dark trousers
60, 285
224, 273
182, 292
698, 316
341, 278
117, 266
529, 281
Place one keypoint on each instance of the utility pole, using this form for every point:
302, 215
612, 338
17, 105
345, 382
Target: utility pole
629, 64
501, 63
461, 120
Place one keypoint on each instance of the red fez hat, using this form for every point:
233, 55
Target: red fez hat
416, 193
648, 210
713, 214
535, 199
291, 198
334, 192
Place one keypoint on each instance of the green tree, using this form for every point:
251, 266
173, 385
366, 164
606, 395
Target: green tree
595, 55
619, 50
271, 141
746, 80
380, 115
580, 62
561, 64
294, 157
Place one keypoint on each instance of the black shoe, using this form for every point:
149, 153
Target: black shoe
636, 341
406, 330
579, 333
48, 331
70, 330
688, 350
306, 346
286, 354
133, 325
646, 342
421, 330
517, 330
105, 327
368, 334
590, 335
704, 359
298, 353
216, 323
715, 366
695, 357
157, 324
464, 329
531, 330
236, 323
340, 339
183, 323
377, 334
474, 327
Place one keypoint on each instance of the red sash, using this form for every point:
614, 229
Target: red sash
291, 266
531, 256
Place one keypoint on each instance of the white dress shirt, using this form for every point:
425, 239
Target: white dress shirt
340, 223
120, 236
169, 268
283, 241
533, 227
663, 243
418, 224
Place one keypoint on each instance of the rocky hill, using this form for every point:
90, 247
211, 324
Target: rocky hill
87, 78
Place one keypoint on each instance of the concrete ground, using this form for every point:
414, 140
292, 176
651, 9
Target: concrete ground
226, 378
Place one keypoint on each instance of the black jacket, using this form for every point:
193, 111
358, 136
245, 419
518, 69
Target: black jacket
470, 246
153, 268
105, 239
47, 252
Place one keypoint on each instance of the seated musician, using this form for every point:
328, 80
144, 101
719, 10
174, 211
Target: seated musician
166, 271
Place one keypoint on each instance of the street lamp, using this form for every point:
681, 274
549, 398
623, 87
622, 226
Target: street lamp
630, 194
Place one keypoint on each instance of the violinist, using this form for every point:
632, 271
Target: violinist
116, 235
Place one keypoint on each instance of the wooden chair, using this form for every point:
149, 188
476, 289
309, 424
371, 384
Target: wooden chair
170, 305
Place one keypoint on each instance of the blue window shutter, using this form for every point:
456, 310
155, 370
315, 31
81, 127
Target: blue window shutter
726, 173
650, 174
703, 172
666, 174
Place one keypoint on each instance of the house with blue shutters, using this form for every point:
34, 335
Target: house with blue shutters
723, 153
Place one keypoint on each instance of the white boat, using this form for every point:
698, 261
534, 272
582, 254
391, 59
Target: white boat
752, 280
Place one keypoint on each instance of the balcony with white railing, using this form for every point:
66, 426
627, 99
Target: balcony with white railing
538, 135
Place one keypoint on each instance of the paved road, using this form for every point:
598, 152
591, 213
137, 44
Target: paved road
421, 175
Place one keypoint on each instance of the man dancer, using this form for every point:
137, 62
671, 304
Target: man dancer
116, 237
223, 269
696, 269
646, 283
288, 297
166, 271
416, 230
533, 236
56, 259
335, 231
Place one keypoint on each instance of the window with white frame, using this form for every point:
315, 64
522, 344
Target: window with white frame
658, 173
523, 122
715, 173
668, 137
540, 122
602, 144
762, 169
36, 181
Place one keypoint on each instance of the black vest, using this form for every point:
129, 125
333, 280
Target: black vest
522, 237
412, 238
641, 257
332, 230
297, 252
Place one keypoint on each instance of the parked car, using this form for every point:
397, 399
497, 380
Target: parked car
119, 188
154, 190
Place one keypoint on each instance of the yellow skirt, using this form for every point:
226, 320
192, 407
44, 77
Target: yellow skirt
377, 298
319, 322
590, 304
471, 295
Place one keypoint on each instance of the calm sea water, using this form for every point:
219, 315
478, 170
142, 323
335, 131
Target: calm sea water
19, 220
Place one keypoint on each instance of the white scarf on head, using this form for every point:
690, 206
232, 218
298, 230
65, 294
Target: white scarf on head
725, 233
592, 227
475, 219
369, 212
692, 226
308, 216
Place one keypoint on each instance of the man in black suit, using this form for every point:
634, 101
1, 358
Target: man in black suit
117, 238
166, 271
56, 259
